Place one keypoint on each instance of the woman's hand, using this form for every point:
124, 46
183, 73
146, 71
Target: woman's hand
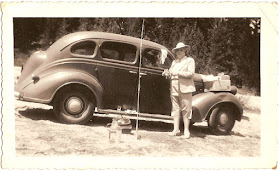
166, 73
174, 73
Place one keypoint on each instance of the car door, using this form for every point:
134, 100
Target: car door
155, 88
117, 72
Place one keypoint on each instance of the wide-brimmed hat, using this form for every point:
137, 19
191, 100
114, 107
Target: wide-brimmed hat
181, 45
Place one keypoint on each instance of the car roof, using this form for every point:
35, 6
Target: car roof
73, 37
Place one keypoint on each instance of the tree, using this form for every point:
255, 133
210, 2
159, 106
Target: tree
229, 45
26, 33
62, 28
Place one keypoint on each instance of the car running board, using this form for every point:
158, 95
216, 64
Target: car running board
133, 115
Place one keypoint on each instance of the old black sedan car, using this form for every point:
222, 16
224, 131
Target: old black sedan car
94, 72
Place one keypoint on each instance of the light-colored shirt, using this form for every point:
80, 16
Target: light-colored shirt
184, 70
176, 66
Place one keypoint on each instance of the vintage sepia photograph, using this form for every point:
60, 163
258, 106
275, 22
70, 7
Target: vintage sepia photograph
84, 68
150, 87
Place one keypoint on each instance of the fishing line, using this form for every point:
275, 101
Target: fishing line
139, 81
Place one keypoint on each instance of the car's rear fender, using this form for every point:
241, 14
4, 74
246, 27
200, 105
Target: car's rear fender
204, 103
44, 90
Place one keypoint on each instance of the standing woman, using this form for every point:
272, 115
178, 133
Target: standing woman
181, 73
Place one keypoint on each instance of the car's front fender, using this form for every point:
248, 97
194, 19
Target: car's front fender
204, 103
44, 90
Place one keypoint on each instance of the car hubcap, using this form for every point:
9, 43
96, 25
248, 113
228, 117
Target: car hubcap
74, 105
223, 119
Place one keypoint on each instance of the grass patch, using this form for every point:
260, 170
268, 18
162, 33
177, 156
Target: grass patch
249, 98
248, 91
249, 102
243, 100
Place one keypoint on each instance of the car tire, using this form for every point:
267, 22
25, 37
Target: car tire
73, 107
221, 121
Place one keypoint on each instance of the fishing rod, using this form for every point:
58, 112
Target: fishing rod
139, 81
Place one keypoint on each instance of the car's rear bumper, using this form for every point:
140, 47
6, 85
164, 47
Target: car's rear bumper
16, 94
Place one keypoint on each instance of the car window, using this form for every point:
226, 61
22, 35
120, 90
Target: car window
151, 57
129, 57
118, 51
167, 62
110, 53
84, 48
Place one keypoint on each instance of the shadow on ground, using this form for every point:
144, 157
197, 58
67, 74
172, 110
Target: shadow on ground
39, 114
48, 115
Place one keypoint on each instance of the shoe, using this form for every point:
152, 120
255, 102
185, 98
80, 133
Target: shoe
173, 133
187, 135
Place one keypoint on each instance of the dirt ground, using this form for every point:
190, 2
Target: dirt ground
38, 133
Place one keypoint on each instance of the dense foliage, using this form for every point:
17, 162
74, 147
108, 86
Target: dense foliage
229, 45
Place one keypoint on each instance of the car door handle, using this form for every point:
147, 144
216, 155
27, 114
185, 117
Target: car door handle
141, 73
133, 72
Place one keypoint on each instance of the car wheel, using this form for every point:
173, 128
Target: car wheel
221, 120
73, 107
